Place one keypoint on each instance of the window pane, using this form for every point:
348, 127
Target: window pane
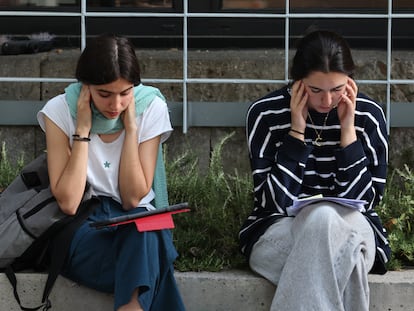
335, 4
131, 3
308, 4
38, 3
253, 4
403, 4
61, 31
90, 3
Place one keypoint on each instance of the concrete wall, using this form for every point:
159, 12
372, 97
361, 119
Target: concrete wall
202, 291
251, 64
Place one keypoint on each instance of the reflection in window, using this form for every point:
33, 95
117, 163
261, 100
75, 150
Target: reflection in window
300, 4
34, 3
131, 3
92, 3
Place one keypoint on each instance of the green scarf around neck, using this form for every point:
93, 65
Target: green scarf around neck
144, 95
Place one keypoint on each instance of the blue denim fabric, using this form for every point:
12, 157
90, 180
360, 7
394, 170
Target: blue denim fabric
120, 259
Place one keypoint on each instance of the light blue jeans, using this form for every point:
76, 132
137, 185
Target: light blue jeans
319, 259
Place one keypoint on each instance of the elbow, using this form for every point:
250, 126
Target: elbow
132, 201
68, 208
68, 204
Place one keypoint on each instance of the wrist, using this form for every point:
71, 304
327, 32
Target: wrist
130, 127
297, 134
82, 132
348, 136
299, 126
297, 131
76, 137
131, 130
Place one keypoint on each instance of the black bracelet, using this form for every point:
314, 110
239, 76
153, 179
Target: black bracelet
296, 131
77, 137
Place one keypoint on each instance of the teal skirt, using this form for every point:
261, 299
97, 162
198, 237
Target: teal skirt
120, 259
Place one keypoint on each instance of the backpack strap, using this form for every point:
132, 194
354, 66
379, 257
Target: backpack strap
50, 251
13, 281
60, 244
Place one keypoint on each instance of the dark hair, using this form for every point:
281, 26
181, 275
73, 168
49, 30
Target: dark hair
323, 51
108, 58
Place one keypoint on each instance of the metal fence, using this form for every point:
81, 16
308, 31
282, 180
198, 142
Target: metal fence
186, 15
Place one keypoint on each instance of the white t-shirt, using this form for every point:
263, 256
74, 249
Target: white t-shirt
104, 158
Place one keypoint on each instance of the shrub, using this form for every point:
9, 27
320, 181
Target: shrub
206, 238
397, 212
8, 171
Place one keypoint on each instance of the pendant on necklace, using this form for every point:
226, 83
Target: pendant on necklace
317, 141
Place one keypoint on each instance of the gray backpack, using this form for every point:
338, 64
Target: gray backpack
32, 226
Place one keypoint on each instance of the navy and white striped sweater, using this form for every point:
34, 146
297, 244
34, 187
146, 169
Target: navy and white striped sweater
285, 169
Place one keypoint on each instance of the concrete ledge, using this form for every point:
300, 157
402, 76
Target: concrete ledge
202, 291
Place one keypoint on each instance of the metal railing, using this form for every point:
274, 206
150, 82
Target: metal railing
186, 15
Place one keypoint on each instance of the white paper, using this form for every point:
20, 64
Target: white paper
293, 210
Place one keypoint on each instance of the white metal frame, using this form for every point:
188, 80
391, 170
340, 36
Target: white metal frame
185, 15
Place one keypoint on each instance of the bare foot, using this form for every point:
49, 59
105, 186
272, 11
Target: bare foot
133, 304
129, 307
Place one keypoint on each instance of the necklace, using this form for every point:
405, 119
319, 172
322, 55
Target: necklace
318, 139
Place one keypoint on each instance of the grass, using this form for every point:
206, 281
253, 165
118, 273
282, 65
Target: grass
206, 238
397, 212
8, 170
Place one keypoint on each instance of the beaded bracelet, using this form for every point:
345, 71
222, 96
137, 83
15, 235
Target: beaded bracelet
77, 137
296, 131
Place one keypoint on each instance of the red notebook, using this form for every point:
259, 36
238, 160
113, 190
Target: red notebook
158, 219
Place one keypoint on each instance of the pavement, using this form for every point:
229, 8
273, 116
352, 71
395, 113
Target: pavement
201, 291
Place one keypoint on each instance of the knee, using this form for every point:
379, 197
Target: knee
320, 220
319, 214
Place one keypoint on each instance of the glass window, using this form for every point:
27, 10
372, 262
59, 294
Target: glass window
37, 3
90, 3
312, 4
403, 4
211, 32
131, 3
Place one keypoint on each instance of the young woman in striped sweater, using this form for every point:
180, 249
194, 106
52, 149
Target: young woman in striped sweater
317, 136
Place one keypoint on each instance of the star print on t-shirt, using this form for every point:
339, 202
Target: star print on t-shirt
107, 164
